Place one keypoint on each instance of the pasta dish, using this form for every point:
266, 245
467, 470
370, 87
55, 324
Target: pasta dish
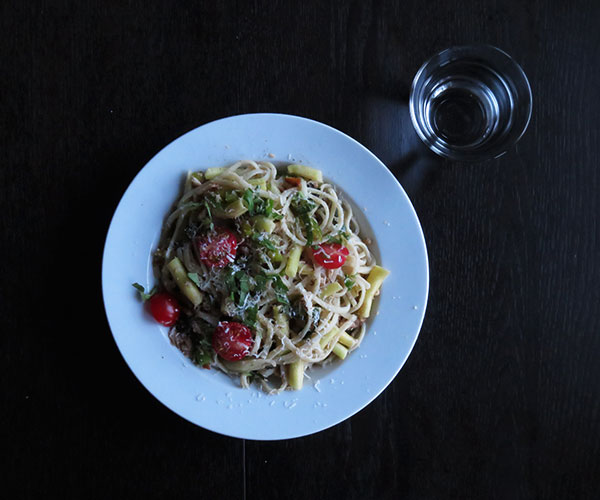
263, 274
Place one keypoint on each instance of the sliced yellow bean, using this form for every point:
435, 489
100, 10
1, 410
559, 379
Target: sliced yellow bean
296, 374
213, 172
375, 279
264, 224
233, 210
291, 267
309, 173
347, 340
330, 289
340, 351
186, 285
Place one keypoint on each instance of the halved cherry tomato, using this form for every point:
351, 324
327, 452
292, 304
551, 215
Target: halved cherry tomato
217, 248
330, 255
232, 341
164, 308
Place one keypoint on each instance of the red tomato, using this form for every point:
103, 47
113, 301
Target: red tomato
232, 341
330, 255
217, 248
164, 308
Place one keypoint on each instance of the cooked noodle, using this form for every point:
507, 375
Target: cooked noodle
310, 316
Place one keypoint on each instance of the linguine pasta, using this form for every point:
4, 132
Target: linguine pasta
280, 283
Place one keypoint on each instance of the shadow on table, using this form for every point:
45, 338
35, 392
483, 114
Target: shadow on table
88, 374
389, 133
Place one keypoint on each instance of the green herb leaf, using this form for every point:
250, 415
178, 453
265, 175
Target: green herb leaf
211, 225
249, 200
265, 242
300, 205
349, 281
269, 207
145, 296
230, 196
250, 316
244, 286
202, 357
280, 289
261, 282
316, 229
341, 237
194, 277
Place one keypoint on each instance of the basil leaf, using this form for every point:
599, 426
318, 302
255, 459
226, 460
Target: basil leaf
316, 229
244, 286
194, 277
265, 242
269, 207
230, 197
249, 200
341, 237
307, 228
211, 225
280, 289
261, 282
300, 205
145, 296
202, 357
250, 316
349, 281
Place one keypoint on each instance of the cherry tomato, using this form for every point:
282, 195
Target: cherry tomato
232, 341
164, 308
217, 248
330, 255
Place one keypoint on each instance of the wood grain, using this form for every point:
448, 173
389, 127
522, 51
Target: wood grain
501, 395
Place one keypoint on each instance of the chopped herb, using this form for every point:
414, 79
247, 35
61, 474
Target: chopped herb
250, 316
230, 196
269, 207
194, 277
261, 282
341, 237
211, 225
244, 286
280, 289
249, 200
202, 357
278, 282
300, 205
349, 281
145, 296
265, 242
316, 228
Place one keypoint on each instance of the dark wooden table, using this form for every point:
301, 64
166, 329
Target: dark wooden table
500, 397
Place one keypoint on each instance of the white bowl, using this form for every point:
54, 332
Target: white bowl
207, 397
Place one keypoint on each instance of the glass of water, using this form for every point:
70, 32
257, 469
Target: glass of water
470, 103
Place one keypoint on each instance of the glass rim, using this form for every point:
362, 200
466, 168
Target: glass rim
476, 155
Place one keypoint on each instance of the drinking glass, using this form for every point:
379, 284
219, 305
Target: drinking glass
470, 103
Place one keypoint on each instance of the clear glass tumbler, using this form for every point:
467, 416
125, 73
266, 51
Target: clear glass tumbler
470, 103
